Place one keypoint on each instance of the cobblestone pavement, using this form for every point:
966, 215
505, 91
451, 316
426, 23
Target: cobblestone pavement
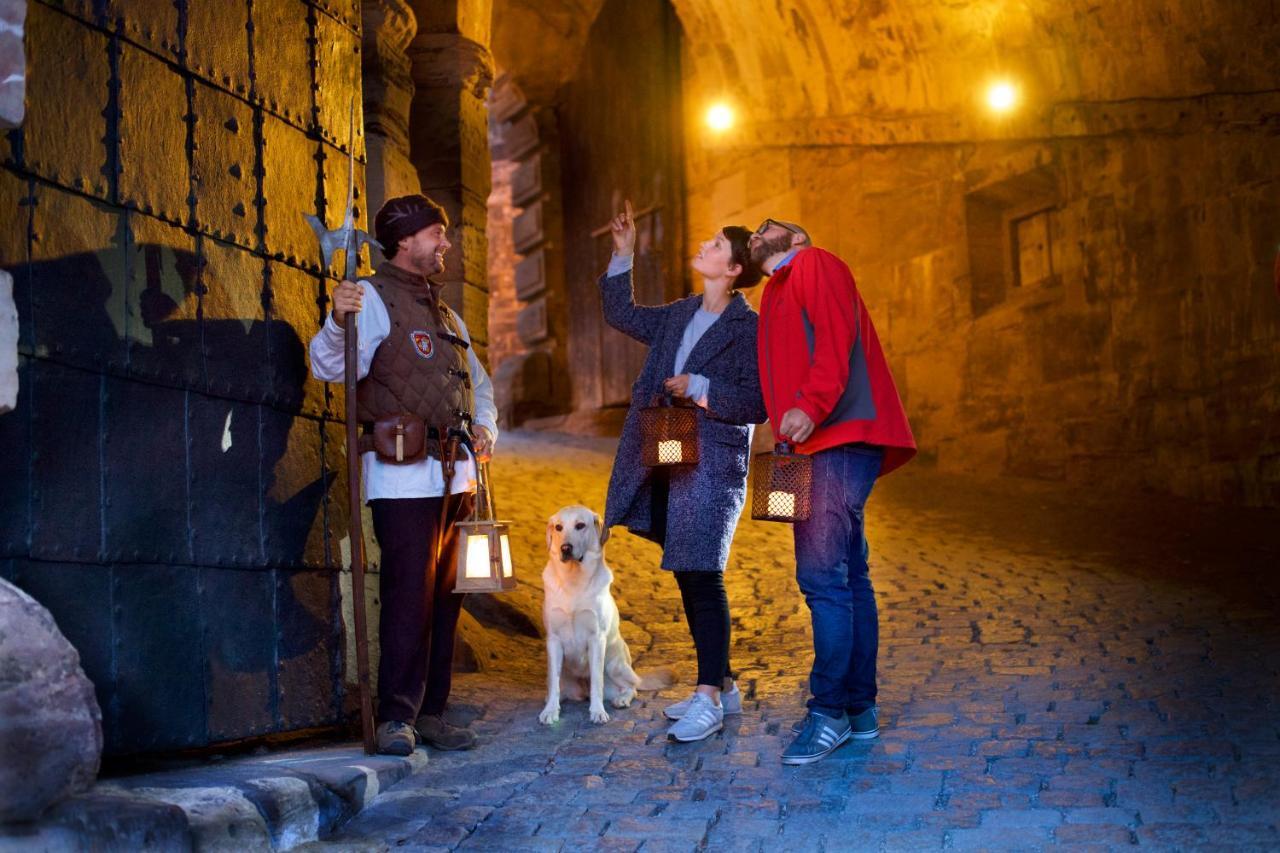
1054, 669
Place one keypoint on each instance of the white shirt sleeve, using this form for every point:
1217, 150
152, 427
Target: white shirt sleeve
373, 324
486, 412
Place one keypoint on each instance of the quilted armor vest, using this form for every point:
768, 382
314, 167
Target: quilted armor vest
420, 368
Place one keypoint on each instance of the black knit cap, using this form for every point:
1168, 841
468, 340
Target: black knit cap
403, 217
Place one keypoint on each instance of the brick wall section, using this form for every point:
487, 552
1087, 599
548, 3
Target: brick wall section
173, 482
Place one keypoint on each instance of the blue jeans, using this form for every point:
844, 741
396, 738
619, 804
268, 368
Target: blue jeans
831, 568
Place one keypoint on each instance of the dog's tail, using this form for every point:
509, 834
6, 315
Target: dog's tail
656, 679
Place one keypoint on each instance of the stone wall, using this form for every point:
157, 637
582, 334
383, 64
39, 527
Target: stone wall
172, 483
1078, 292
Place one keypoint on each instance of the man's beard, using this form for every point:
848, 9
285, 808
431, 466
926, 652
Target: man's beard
428, 265
766, 249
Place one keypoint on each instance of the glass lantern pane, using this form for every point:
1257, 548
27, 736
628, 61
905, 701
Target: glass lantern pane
506, 556
477, 556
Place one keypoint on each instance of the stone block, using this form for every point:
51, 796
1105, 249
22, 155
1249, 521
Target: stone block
531, 323
526, 181
218, 44
50, 723
225, 164
531, 275
289, 188
527, 230
522, 137
8, 345
337, 73
281, 31
67, 94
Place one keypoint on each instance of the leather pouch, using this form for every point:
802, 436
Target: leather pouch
400, 439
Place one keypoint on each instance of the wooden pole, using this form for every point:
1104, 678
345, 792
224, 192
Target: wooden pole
356, 528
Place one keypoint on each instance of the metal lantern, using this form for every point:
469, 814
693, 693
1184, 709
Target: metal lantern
484, 545
782, 485
668, 434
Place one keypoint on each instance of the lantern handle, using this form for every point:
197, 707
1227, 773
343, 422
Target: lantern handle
485, 510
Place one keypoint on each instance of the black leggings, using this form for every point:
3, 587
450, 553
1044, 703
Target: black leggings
706, 607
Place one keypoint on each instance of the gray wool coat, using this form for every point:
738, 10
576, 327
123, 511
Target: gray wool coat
705, 500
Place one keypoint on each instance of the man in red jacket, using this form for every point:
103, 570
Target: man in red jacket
828, 390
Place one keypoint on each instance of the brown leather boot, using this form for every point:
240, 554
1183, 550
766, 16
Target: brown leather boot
434, 731
395, 738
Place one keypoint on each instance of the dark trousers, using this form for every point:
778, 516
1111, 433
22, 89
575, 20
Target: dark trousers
706, 608
419, 608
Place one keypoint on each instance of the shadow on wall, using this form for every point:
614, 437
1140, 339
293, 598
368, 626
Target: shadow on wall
166, 499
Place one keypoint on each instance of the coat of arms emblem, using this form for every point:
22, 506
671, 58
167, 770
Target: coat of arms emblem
422, 343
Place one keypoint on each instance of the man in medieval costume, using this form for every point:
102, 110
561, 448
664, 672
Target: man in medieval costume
427, 415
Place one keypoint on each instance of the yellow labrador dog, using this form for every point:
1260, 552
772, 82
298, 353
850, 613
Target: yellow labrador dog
584, 647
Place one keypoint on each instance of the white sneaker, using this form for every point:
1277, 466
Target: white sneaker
701, 719
730, 701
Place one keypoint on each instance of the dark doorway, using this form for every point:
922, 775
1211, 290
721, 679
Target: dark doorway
620, 131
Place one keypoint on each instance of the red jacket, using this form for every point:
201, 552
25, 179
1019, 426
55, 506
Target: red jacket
819, 352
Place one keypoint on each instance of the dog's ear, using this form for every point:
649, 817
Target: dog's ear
602, 532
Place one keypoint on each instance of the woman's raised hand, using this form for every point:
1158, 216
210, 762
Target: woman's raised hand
623, 227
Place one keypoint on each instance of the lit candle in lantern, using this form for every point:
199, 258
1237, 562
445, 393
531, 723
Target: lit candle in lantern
669, 452
782, 503
506, 556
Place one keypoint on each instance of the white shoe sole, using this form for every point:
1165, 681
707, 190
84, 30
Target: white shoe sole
811, 759
666, 712
708, 733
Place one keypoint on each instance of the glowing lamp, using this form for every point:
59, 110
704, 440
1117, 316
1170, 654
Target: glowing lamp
720, 117
668, 434
484, 545
1002, 96
781, 485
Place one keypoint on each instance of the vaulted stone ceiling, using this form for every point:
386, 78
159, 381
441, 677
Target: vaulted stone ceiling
810, 59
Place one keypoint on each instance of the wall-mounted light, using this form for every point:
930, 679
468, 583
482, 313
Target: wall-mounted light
1002, 96
720, 117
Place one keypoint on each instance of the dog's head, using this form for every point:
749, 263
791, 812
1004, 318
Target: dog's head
574, 532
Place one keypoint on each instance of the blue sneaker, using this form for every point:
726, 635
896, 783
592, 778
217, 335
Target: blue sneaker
864, 726
821, 736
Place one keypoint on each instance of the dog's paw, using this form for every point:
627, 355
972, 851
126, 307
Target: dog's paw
549, 716
623, 701
599, 716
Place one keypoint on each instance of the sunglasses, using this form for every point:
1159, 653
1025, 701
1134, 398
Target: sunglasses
787, 226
